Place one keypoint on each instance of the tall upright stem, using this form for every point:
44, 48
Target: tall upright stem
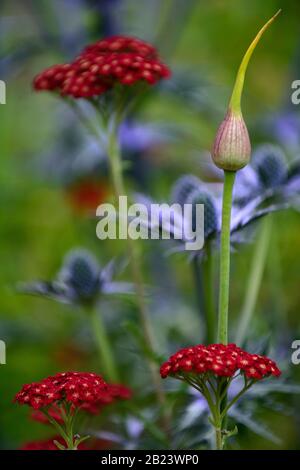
229, 178
199, 287
254, 280
114, 154
209, 300
103, 345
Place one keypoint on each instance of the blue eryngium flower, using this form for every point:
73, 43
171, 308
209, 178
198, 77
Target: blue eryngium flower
266, 185
80, 281
268, 179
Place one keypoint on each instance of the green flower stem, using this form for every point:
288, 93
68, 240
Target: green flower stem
229, 178
113, 151
66, 430
62, 432
219, 439
209, 298
254, 280
198, 283
103, 344
114, 154
237, 397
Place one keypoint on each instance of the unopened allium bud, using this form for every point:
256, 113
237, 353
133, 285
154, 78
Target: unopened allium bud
232, 149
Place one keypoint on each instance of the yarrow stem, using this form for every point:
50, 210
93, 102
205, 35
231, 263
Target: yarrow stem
209, 299
229, 177
254, 280
66, 430
104, 347
114, 155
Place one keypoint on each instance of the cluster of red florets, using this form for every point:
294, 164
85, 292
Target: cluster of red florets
220, 360
115, 60
83, 390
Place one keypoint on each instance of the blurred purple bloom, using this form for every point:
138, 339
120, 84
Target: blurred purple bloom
285, 127
80, 280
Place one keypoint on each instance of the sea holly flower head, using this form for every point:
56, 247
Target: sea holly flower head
81, 280
270, 165
189, 189
210, 212
113, 61
268, 180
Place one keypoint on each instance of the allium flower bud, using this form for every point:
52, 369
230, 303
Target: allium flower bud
232, 149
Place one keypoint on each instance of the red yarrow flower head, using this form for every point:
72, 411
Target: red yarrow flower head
117, 60
218, 360
87, 391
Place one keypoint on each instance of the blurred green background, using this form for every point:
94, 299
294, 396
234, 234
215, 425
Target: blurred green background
39, 224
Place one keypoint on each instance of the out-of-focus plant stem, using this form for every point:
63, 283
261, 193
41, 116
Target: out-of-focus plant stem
111, 127
254, 280
114, 155
209, 295
103, 344
229, 177
198, 283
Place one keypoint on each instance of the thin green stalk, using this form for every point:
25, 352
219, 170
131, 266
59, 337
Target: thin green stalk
103, 345
113, 151
254, 280
236, 398
57, 426
275, 275
209, 295
198, 282
219, 439
229, 178
114, 154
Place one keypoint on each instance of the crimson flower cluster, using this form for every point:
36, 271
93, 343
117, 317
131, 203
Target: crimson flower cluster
87, 391
102, 65
220, 360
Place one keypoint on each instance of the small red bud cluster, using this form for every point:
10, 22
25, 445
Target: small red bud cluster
219, 360
102, 65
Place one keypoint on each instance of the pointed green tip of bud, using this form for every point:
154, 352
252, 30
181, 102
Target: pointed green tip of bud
232, 147
235, 102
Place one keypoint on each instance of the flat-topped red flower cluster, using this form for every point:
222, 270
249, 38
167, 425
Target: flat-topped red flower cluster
220, 360
87, 391
100, 66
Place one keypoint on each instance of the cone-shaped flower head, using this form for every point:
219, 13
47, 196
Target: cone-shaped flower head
210, 213
232, 149
270, 164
